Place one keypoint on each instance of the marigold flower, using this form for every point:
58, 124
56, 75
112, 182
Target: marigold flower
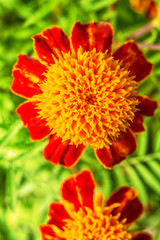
148, 7
79, 93
82, 216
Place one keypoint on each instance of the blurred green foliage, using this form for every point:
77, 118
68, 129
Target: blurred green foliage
28, 183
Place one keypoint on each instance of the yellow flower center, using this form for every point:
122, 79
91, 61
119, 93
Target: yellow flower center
95, 225
87, 98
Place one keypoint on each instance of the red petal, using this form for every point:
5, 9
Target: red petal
118, 151
48, 233
147, 106
137, 124
50, 42
132, 211
152, 11
93, 35
27, 74
141, 236
78, 190
130, 207
36, 126
63, 153
133, 59
86, 186
57, 214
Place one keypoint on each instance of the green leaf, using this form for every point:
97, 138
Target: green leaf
142, 143
148, 177
13, 131
100, 5
156, 138
107, 182
41, 12
11, 188
155, 167
119, 176
137, 183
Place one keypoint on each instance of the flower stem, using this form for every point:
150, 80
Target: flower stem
154, 46
142, 31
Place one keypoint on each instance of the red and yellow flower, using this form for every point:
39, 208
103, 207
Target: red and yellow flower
80, 93
148, 7
82, 216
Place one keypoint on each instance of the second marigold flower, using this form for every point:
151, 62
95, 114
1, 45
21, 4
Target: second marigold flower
79, 93
148, 7
82, 216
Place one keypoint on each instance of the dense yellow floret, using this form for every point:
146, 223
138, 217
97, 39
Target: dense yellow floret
87, 98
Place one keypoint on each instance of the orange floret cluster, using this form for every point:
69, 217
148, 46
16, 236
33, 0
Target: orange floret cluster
87, 97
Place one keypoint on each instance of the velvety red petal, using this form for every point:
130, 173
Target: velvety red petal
152, 11
27, 75
48, 233
122, 195
133, 59
137, 124
118, 151
147, 106
78, 190
29, 116
57, 214
130, 207
132, 211
58, 152
141, 236
93, 35
86, 187
50, 42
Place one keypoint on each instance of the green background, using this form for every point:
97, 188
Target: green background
28, 183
